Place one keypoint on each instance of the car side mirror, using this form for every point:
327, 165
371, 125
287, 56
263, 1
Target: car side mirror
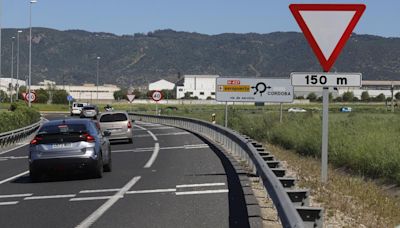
106, 133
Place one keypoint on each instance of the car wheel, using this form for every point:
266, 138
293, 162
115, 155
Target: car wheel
98, 171
130, 140
108, 167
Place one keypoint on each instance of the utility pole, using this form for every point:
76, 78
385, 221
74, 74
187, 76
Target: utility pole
12, 69
19, 31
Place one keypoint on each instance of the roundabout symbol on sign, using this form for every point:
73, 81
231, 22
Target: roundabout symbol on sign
30, 96
157, 96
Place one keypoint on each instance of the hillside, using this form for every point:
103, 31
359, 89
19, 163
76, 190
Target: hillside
144, 58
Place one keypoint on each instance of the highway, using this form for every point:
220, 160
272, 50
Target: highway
166, 178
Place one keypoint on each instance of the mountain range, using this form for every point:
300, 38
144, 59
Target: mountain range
70, 57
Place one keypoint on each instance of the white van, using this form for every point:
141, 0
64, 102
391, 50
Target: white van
76, 108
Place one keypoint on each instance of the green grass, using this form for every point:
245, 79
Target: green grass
22, 116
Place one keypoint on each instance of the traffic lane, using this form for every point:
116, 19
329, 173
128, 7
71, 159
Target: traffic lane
48, 212
195, 187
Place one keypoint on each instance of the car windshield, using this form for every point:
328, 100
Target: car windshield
113, 117
62, 129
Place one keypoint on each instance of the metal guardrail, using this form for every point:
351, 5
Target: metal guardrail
11, 137
292, 204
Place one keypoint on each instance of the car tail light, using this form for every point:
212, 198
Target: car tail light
88, 138
129, 124
36, 140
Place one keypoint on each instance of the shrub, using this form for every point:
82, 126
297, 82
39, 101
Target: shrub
21, 116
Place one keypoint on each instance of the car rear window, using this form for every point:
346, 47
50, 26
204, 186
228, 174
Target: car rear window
113, 117
80, 105
62, 129
88, 108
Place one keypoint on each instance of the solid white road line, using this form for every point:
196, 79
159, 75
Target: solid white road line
14, 157
15, 195
103, 208
159, 128
15, 148
199, 185
8, 203
100, 190
146, 149
50, 197
14, 177
152, 191
152, 135
153, 156
166, 134
202, 192
91, 198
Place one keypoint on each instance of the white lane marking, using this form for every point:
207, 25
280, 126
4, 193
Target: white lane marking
165, 134
146, 149
159, 128
50, 197
199, 185
92, 198
15, 195
153, 156
15, 148
100, 190
8, 203
202, 192
152, 135
103, 208
140, 127
152, 191
14, 157
14, 177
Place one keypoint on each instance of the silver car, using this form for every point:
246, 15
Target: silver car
69, 145
118, 123
89, 111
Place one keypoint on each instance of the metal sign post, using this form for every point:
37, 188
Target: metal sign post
157, 96
226, 114
281, 113
325, 131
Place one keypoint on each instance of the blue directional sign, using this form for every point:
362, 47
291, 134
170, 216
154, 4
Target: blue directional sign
70, 98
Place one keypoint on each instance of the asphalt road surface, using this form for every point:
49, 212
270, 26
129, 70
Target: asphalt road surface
166, 178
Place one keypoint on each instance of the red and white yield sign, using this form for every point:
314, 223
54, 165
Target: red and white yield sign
327, 27
157, 96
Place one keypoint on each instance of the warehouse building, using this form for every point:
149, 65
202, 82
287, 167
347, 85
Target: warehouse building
161, 85
200, 86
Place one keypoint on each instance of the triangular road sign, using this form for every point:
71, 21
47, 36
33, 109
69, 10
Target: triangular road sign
327, 27
130, 97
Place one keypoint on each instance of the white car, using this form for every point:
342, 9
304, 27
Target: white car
296, 110
76, 108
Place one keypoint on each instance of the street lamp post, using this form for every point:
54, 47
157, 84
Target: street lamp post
1, 14
19, 31
12, 69
97, 81
30, 49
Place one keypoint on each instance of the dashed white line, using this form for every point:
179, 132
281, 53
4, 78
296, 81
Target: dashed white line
202, 192
92, 198
8, 203
50, 197
101, 190
152, 191
199, 185
166, 134
103, 208
147, 149
14, 177
15, 195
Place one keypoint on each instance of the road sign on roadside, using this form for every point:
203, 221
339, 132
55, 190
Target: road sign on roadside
70, 98
130, 97
157, 96
327, 27
276, 90
30, 96
326, 79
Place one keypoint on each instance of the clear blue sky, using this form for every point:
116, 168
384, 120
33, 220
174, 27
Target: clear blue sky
382, 17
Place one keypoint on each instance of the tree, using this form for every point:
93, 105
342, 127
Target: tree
380, 98
120, 94
22, 89
312, 97
365, 96
348, 96
397, 96
168, 94
42, 96
3, 96
138, 94
60, 97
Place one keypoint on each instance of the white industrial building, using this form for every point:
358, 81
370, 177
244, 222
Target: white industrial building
161, 85
201, 86
85, 92
5, 82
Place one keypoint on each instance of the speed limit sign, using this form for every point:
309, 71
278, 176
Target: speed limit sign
30, 96
157, 96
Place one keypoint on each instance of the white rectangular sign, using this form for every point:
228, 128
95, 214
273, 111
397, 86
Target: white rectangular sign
326, 79
274, 90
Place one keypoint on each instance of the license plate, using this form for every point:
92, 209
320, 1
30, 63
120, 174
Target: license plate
62, 145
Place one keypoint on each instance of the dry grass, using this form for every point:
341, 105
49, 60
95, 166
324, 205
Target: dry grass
349, 201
